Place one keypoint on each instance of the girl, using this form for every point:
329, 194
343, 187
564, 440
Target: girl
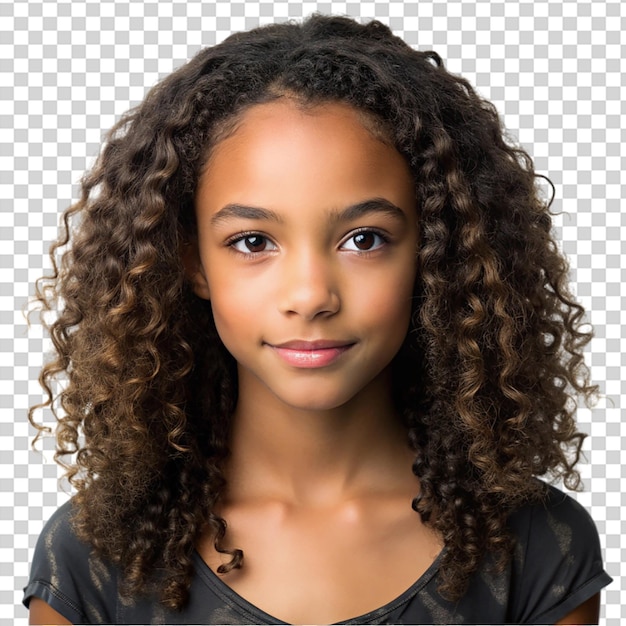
319, 345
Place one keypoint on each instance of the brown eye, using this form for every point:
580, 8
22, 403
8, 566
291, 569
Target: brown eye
253, 243
364, 241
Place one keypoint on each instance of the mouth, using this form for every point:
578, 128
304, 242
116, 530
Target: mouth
311, 354
320, 344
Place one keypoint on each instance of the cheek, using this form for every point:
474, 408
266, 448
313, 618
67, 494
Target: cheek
233, 310
387, 304
393, 313
384, 319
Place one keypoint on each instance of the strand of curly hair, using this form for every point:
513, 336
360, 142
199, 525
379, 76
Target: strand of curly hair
490, 369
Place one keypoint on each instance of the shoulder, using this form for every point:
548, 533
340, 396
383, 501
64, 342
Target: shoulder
558, 559
556, 514
57, 531
67, 576
558, 524
58, 544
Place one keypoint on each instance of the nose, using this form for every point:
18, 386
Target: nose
309, 287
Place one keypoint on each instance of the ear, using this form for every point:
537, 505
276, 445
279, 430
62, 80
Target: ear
190, 257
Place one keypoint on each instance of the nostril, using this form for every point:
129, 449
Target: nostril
309, 301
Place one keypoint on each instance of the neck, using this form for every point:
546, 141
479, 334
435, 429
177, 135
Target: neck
316, 457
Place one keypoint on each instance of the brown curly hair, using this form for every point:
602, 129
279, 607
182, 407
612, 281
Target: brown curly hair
490, 369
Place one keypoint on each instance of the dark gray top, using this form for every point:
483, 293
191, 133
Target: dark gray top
556, 567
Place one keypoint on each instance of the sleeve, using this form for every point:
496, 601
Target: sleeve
559, 560
66, 576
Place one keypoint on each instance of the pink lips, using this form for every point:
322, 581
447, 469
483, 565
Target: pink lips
311, 354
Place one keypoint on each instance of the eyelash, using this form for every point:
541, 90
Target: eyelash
373, 231
230, 243
244, 235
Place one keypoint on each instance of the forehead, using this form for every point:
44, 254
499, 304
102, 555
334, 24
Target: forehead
285, 101
287, 113
283, 151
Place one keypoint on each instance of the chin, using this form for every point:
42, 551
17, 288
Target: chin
316, 399
315, 404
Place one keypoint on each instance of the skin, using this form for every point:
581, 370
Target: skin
319, 479
320, 465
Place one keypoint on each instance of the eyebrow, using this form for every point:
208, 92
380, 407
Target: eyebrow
350, 213
373, 205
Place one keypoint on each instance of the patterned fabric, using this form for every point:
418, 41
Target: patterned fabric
557, 565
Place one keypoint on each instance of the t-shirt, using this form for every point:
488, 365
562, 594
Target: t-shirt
556, 566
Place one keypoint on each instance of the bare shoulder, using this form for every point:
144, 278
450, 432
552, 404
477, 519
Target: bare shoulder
39, 612
587, 613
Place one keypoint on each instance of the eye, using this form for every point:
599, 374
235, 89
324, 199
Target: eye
365, 241
252, 243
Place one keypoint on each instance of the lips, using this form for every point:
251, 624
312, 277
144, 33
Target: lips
320, 344
311, 354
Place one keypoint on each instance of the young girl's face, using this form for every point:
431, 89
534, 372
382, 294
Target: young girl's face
307, 242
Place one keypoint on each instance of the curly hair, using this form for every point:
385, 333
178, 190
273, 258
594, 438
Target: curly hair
491, 368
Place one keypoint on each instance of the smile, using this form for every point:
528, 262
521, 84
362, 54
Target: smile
311, 354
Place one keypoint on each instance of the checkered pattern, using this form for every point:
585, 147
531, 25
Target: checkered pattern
553, 68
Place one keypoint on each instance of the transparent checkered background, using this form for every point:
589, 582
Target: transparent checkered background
554, 69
